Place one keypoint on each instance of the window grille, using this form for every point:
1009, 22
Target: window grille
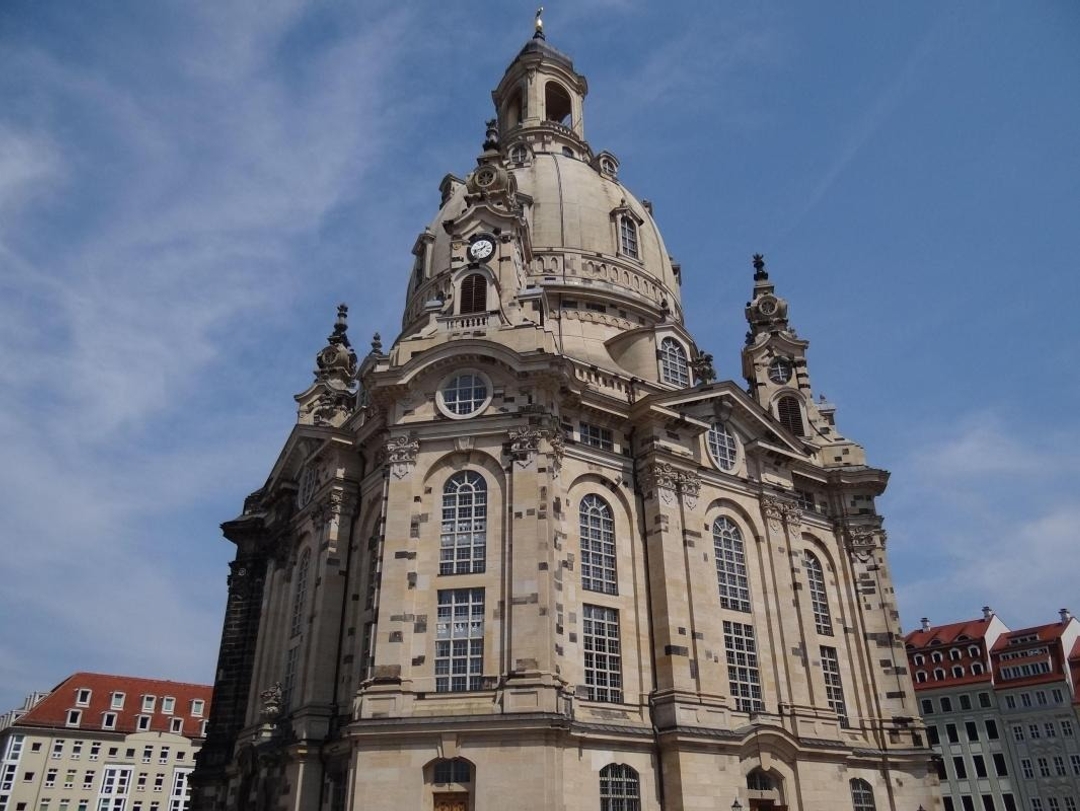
597, 546
674, 367
819, 598
603, 657
463, 542
619, 788
730, 565
743, 676
459, 640
834, 686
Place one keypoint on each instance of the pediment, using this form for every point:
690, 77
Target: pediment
699, 406
303, 443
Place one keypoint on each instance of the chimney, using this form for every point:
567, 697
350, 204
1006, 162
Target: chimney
925, 624
988, 613
1065, 616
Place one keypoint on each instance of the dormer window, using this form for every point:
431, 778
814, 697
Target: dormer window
628, 236
518, 154
82, 697
674, 368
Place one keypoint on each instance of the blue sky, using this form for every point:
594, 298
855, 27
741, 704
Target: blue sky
188, 189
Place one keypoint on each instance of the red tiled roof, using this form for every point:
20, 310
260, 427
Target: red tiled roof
52, 711
1044, 633
946, 634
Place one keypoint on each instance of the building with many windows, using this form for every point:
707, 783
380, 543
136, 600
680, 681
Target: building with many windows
1001, 709
534, 553
104, 743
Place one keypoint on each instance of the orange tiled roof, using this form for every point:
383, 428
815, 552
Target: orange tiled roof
946, 634
52, 711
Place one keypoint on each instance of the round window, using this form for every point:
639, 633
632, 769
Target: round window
518, 153
464, 394
780, 370
723, 446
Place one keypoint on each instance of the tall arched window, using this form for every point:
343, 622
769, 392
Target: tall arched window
862, 796
300, 594
723, 447
674, 367
463, 542
790, 414
628, 237
730, 565
620, 789
819, 598
597, 546
473, 294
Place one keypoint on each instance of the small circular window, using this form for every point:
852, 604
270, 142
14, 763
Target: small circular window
780, 370
464, 394
723, 446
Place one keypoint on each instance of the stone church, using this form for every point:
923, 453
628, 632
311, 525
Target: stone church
534, 555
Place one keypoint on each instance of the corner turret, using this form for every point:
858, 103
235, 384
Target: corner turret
777, 375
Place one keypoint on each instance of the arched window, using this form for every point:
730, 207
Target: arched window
862, 796
730, 565
557, 106
723, 447
955, 654
597, 545
674, 368
958, 672
473, 294
628, 237
619, 788
790, 414
759, 780
819, 599
973, 651
939, 674
976, 668
300, 595
937, 656
919, 659
920, 676
463, 542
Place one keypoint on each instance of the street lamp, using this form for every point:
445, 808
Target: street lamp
737, 806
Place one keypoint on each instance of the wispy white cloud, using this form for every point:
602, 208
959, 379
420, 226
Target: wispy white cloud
986, 513
219, 172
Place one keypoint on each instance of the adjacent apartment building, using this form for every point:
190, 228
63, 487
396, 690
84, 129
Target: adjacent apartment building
103, 743
1001, 709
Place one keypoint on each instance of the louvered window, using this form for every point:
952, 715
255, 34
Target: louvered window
790, 414
474, 294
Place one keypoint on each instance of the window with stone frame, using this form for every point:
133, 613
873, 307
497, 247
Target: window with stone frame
674, 366
789, 412
862, 796
819, 597
603, 654
473, 294
722, 445
628, 236
620, 788
463, 539
744, 678
597, 545
296, 625
834, 685
731, 575
459, 640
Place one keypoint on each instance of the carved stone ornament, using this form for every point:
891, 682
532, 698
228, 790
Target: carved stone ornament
525, 442
401, 454
331, 508
662, 478
271, 703
690, 487
863, 541
793, 516
773, 510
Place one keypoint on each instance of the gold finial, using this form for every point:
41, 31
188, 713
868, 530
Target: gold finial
539, 24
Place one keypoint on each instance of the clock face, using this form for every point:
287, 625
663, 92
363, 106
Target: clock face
481, 248
780, 370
